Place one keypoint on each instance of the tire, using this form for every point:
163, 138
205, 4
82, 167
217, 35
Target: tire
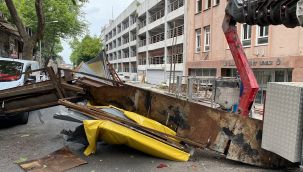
23, 119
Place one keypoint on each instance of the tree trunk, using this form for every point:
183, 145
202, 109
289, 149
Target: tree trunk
29, 41
27, 53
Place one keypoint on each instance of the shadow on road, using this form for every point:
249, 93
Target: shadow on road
6, 123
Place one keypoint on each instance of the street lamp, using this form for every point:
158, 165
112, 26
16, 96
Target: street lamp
40, 47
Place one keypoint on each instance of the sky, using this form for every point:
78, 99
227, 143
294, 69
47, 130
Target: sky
97, 13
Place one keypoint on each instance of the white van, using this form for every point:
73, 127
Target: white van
10, 77
11, 69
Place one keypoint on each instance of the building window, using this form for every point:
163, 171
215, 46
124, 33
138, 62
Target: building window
156, 60
207, 4
246, 35
216, 2
141, 61
198, 40
198, 6
205, 72
262, 35
206, 38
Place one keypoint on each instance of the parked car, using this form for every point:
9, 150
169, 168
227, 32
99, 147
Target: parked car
11, 76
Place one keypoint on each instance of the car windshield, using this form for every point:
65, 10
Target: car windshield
10, 70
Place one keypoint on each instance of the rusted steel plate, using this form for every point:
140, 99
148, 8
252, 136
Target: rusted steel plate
27, 89
58, 161
245, 145
90, 82
199, 123
31, 103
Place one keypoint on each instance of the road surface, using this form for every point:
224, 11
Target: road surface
41, 136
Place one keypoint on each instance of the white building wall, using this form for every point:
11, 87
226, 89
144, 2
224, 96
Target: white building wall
162, 24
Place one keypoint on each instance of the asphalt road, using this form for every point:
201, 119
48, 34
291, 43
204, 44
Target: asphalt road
41, 136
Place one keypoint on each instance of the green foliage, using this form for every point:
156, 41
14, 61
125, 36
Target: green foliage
85, 50
63, 20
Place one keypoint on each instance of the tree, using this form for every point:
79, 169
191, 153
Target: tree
85, 50
28, 39
39, 15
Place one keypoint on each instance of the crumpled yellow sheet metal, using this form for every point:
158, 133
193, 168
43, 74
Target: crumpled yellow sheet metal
113, 133
146, 122
141, 120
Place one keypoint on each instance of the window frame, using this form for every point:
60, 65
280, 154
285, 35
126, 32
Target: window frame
207, 35
198, 44
198, 6
262, 37
249, 35
216, 2
207, 4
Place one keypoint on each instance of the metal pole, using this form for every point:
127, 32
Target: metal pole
40, 53
174, 52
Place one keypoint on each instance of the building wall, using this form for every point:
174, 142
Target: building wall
280, 60
172, 15
123, 55
158, 16
284, 49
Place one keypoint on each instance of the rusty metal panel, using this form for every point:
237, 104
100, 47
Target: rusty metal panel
27, 89
237, 137
59, 161
245, 145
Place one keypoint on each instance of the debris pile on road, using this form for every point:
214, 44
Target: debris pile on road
193, 125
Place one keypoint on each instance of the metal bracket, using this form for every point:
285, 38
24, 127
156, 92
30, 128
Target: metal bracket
300, 12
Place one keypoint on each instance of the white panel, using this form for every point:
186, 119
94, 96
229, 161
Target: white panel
155, 77
282, 130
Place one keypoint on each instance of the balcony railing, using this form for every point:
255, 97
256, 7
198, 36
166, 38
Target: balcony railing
125, 40
159, 14
126, 69
125, 55
118, 56
142, 61
125, 26
142, 43
133, 53
156, 60
178, 31
142, 24
133, 21
157, 38
133, 37
134, 69
178, 58
175, 5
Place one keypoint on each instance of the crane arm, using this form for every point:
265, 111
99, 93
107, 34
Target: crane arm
256, 12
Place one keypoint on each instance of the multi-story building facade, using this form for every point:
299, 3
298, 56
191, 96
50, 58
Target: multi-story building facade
145, 37
160, 39
275, 53
120, 40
